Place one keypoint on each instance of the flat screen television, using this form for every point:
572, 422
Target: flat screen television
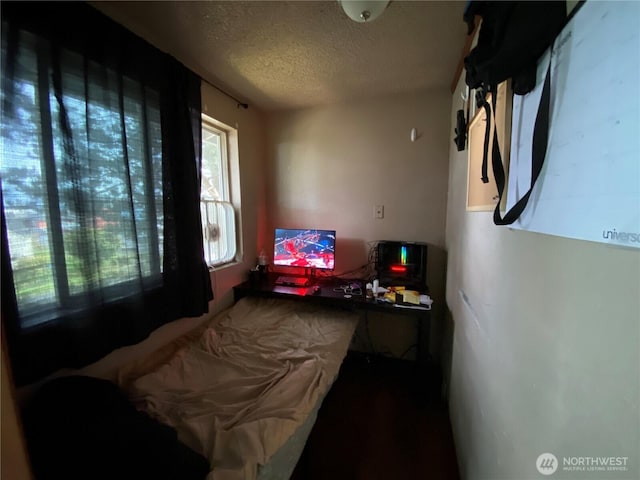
305, 248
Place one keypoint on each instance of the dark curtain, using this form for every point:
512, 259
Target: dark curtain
101, 230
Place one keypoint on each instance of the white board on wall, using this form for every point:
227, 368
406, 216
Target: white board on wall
589, 186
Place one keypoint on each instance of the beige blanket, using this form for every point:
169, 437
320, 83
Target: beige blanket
240, 389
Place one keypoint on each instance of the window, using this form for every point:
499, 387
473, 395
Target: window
83, 209
99, 188
219, 161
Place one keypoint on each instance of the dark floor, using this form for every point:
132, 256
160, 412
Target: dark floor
382, 419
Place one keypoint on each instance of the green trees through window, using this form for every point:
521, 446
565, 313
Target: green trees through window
83, 211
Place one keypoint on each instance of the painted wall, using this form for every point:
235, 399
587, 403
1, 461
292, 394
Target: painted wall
546, 342
328, 166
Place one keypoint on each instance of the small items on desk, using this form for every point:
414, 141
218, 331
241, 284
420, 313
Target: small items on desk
401, 296
350, 289
373, 289
263, 264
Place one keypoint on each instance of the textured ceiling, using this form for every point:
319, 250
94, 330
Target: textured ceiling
291, 54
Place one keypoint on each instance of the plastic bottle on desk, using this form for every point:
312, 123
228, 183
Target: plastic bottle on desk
262, 263
369, 291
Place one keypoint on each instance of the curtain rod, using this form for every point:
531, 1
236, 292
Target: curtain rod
238, 102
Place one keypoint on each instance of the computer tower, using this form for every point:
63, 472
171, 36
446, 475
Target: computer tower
402, 264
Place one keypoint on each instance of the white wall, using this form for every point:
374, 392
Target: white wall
328, 166
331, 165
545, 353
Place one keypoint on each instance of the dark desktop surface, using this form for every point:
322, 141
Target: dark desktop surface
345, 293
322, 288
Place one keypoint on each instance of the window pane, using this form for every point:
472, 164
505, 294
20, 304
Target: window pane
219, 233
213, 187
87, 214
25, 199
106, 190
218, 213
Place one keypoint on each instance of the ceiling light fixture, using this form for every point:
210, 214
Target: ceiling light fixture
363, 10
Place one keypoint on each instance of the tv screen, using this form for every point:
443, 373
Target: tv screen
304, 248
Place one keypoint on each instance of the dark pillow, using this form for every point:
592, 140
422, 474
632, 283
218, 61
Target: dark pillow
83, 427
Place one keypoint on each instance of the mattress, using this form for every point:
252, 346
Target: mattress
249, 384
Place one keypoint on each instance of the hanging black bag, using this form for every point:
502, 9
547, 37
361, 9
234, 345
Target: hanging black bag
512, 37
461, 131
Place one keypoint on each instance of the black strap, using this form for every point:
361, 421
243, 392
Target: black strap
481, 101
538, 153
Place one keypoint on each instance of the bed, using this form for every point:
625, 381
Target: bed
244, 390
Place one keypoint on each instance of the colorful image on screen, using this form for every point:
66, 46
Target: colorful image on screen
305, 248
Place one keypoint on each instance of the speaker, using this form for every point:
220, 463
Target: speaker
402, 264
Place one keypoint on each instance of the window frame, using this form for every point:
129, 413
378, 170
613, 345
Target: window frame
230, 200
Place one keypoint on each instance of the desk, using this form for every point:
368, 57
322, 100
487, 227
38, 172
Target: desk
265, 287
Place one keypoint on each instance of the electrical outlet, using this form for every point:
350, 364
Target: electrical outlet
378, 211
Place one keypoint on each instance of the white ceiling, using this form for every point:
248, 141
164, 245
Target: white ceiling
292, 54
